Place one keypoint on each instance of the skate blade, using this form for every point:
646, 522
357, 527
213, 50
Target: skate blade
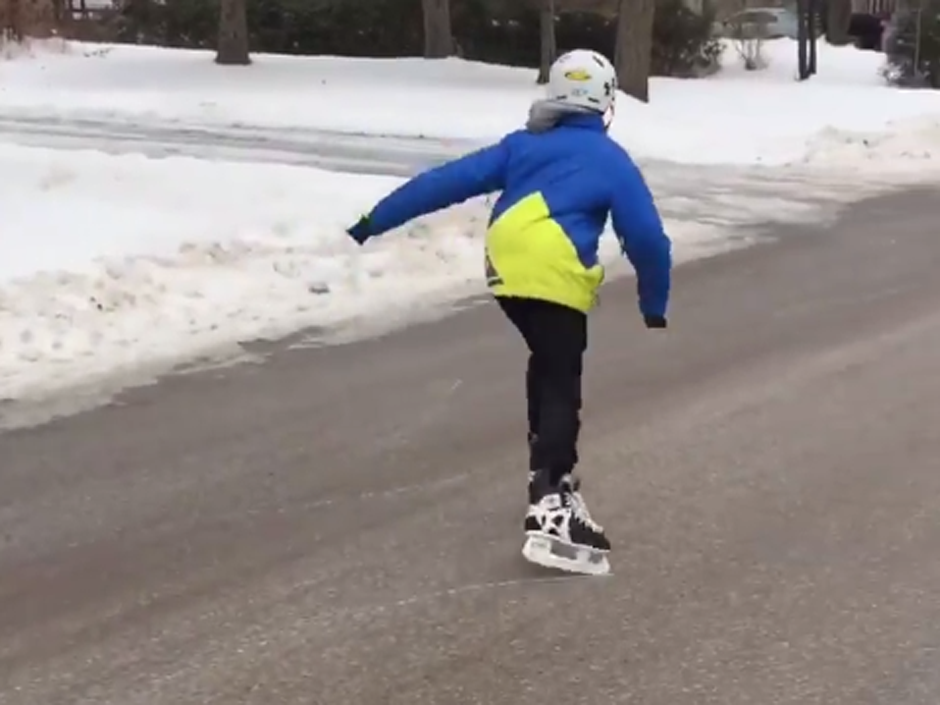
544, 551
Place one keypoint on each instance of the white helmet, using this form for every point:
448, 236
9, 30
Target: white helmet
583, 78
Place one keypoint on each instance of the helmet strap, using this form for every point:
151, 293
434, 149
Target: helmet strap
609, 116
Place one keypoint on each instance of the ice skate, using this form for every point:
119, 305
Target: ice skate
560, 532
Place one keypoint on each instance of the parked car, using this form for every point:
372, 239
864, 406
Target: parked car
872, 31
762, 22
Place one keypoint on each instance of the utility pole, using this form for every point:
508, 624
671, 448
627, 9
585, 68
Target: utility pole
812, 32
802, 37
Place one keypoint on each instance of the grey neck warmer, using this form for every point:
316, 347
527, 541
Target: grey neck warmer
545, 114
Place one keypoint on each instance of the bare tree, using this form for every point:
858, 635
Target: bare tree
438, 33
634, 46
232, 49
749, 30
549, 47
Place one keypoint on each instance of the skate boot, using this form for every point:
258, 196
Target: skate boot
560, 531
570, 481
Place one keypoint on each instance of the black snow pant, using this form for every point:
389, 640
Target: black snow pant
557, 338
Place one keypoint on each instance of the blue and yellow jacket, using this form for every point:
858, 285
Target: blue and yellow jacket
558, 189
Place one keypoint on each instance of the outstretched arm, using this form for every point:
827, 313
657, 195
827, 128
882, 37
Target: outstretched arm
474, 174
642, 238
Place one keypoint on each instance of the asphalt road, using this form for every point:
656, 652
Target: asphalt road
342, 525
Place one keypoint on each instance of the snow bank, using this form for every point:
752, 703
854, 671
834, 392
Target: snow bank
735, 116
769, 117
29, 47
913, 144
110, 263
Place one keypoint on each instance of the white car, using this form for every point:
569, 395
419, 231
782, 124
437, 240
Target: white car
763, 22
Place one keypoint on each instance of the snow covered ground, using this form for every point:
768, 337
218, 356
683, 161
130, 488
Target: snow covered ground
112, 262
735, 116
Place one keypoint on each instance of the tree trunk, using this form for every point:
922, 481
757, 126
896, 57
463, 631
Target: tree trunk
634, 46
548, 45
838, 16
233, 34
438, 34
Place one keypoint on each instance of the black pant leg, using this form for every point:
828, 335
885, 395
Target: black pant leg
519, 312
533, 385
557, 338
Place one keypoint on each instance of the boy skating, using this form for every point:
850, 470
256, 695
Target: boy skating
560, 177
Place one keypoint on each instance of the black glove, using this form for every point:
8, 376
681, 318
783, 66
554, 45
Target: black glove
655, 321
361, 231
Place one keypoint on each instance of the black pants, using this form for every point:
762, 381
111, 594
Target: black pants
557, 338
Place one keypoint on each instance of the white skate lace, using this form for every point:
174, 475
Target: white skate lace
579, 507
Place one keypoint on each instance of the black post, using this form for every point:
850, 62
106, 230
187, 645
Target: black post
802, 58
811, 16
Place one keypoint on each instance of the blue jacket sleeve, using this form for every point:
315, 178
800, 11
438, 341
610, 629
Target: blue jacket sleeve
474, 174
642, 237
